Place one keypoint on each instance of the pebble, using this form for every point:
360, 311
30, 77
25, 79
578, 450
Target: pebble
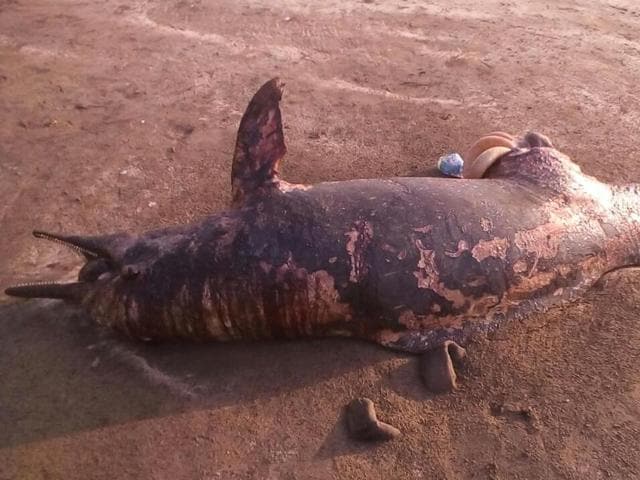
451, 165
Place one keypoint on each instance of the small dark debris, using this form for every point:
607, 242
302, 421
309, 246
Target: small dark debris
486, 64
316, 134
516, 412
84, 106
121, 9
620, 9
184, 128
410, 83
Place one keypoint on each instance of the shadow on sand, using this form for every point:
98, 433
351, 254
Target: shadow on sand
62, 374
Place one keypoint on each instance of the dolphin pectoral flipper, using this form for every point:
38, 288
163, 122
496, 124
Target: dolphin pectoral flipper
437, 366
259, 145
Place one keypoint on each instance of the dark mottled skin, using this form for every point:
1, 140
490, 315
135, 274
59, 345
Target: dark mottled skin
405, 262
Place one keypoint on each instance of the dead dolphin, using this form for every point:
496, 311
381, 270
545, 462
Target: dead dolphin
413, 264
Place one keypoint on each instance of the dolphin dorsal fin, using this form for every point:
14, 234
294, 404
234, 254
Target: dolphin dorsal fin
259, 145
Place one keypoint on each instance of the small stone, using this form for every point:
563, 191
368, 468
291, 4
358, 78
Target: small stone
95, 363
153, 204
363, 424
451, 165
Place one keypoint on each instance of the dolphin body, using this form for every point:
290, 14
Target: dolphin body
410, 263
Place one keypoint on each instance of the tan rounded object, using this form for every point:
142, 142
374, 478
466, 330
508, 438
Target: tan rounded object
437, 367
482, 162
485, 143
506, 135
363, 423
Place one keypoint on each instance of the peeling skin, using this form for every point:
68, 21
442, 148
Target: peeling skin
428, 276
531, 283
463, 246
564, 270
496, 247
359, 238
286, 187
213, 323
408, 263
544, 240
520, 266
486, 224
